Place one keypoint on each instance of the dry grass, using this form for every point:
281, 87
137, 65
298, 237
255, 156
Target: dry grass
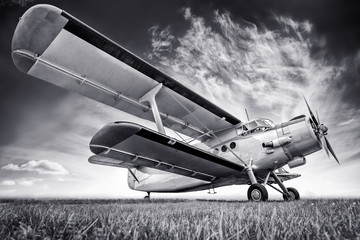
179, 219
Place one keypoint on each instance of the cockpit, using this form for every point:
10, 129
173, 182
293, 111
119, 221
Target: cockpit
258, 125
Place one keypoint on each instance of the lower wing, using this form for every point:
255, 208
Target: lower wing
129, 145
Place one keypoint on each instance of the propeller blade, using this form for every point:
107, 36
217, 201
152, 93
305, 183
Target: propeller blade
331, 150
324, 144
311, 113
317, 116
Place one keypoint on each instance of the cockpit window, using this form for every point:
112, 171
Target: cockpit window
269, 122
252, 125
255, 126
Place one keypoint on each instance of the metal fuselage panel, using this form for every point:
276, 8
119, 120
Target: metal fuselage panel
250, 147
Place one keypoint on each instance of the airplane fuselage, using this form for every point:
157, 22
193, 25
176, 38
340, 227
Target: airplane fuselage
266, 147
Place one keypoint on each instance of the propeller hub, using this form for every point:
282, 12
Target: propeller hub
323, 129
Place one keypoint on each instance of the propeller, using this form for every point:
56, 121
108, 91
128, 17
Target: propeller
321, 131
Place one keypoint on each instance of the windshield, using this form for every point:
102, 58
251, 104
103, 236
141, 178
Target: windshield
256, 125
265, 122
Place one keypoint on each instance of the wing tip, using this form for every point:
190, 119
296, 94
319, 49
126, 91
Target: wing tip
112, 134
35, 31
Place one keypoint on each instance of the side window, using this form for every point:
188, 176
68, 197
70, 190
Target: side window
223, 148
232, 145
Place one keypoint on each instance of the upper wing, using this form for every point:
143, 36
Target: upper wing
52, 45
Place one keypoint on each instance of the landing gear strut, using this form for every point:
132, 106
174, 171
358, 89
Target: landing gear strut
256, 191
147, 197
289, 194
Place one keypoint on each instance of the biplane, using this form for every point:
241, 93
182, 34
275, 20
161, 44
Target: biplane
213, 147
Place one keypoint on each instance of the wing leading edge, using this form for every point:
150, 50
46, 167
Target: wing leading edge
52, 45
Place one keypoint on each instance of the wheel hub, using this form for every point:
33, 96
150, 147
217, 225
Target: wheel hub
256, 195
291, 196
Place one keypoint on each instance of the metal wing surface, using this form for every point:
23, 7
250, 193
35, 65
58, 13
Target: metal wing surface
129, 145
54, 46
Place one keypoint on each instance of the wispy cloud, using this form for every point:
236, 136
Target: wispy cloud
21, 3
239, 63
346, 122
41, 167
161, 41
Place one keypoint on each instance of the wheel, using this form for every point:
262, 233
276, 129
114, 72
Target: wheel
147, 197
294, 194
257, 193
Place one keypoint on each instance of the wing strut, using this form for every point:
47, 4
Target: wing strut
150, 97
136, 179
212, 133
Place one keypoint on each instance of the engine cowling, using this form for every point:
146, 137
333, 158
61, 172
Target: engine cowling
304, 140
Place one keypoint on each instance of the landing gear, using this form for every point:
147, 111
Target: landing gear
257, 193
293, 195
289, 194
147, 197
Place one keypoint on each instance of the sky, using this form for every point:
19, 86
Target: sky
259, 55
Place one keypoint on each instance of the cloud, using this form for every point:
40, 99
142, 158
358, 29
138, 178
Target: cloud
22, 182
28, 182
346, 122
161, 41
8, 183
22, 3
41, 167
240, 63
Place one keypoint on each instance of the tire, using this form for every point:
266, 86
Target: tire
257, 193
294, 195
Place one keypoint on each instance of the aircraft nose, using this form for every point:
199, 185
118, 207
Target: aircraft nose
304, 141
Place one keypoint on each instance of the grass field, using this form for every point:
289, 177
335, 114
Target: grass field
179, 219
